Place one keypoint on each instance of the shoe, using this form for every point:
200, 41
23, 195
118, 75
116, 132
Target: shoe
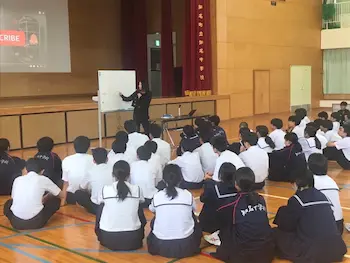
213, 239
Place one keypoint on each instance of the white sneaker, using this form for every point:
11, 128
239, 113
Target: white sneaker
213, 239
347, 226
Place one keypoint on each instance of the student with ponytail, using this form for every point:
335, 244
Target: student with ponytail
312, 143
174, 230
245, 231
265, 142
120, 221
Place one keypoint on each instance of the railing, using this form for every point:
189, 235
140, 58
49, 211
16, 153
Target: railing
341, 18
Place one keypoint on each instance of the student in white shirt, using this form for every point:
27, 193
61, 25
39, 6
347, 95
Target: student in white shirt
75, 167
342, 148
327, 128
29, 207
164, 148
313, 144
277, 134
336, 118
130, 152
120, 221
323, 115
302, 114
136, 139
256, 159
318, 165
119, 153
91, 186
294, 126
175, 232
143, 175
319, 134
225, 156
155, 160
264, 142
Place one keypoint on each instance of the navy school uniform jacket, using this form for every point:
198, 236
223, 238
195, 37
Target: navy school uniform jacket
10, 168
218, 131
52, 166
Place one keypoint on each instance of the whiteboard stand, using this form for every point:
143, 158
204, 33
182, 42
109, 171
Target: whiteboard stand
99, 120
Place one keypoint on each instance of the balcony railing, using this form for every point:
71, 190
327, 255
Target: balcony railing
341, 18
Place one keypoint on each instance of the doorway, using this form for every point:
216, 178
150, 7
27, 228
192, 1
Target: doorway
261, 82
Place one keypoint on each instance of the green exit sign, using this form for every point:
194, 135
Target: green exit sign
157, 43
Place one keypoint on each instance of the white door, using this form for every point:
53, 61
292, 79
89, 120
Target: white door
300, 85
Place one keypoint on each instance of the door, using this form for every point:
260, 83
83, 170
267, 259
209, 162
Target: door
300, 85
261, 91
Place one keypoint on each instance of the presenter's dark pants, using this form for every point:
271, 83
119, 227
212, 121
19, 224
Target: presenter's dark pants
142, 119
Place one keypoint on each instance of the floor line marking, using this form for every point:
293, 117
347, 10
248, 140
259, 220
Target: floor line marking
34, 246
88, 250
74, 217
24, 253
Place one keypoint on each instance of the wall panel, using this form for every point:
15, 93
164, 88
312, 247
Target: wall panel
10, 129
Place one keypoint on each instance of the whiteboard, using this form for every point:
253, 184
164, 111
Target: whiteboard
110, 84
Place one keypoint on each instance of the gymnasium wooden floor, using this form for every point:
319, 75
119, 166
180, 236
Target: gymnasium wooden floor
70, 237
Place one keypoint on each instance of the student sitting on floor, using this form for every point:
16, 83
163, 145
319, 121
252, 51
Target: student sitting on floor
142, 174
286, 163
75, 167
155, 160
302, 114
313, 144
97, 177
175, 232
307, 231
120, 221
327, 128
217, 130
336, 119
318, 165
136, 139
277, 134
319, 134
190, 137
225, 156
50, 161
29, 208
130, 153
215, 195
265, 142
191, 167
164, 148
10, 167
119, 153
236, 146
256, 159
343, 111
245, 231
341, 149
294, 126
323, 115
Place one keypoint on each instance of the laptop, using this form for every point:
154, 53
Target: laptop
192, 112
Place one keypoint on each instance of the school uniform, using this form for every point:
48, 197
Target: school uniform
227, 157
164, 151
307, 231
277, 136
10, 168
193, 142
215, 195
299, 131
129, 156
142, 175
219, 132
332, 136
191, 169
52, 166
330, 189
156, 166
304, 121
175, 232
343, 153
310, 147
136, 140
264, 146
343, 113
257, 160
245, 232
120, 223
98, 177
336, 126
322, 140
25, 210
208, 157
74, 169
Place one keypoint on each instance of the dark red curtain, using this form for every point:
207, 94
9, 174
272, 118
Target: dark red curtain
167, 59
197, 61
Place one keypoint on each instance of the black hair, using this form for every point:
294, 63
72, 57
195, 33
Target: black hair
278, 123
250, 138
100, 155
318, 164
245, 179
327, 124
143, 153
344, 103
121, 171
206, 132
227, 173
264, 132
295, 119
346, 128
81, 144
323, 115
155, 130
145, 87
119, 146
305, 179
34, 165
215, 119
45, 144
188, 146
336, 116
172, 176
199, 121
130, 126
243, 124
151, 146
301, 113
243, 131
311, 131
219, 143
4, 145
293, 138
122, 136
189, 131
316, 123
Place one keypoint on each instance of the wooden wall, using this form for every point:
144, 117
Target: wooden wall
253, 35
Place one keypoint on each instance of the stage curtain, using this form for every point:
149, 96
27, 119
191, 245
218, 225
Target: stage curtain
197, 61
167, 59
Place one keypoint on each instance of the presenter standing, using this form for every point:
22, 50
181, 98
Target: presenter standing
141, 99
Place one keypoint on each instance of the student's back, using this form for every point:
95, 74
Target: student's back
164, 148
208, 157
191, 167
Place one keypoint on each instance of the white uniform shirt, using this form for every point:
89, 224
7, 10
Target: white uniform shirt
304, 121
98, 177
332, 136
136, 140
344, 145
257, 160
322, 139
118, 215
310, 148
299, 131
164, 151
129, 156
173, 218
277, 137
191, 167
28, 192
227, 157
330, 189
156, 166
336, 126
143, 175
208, 157
75, 168
264, 146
